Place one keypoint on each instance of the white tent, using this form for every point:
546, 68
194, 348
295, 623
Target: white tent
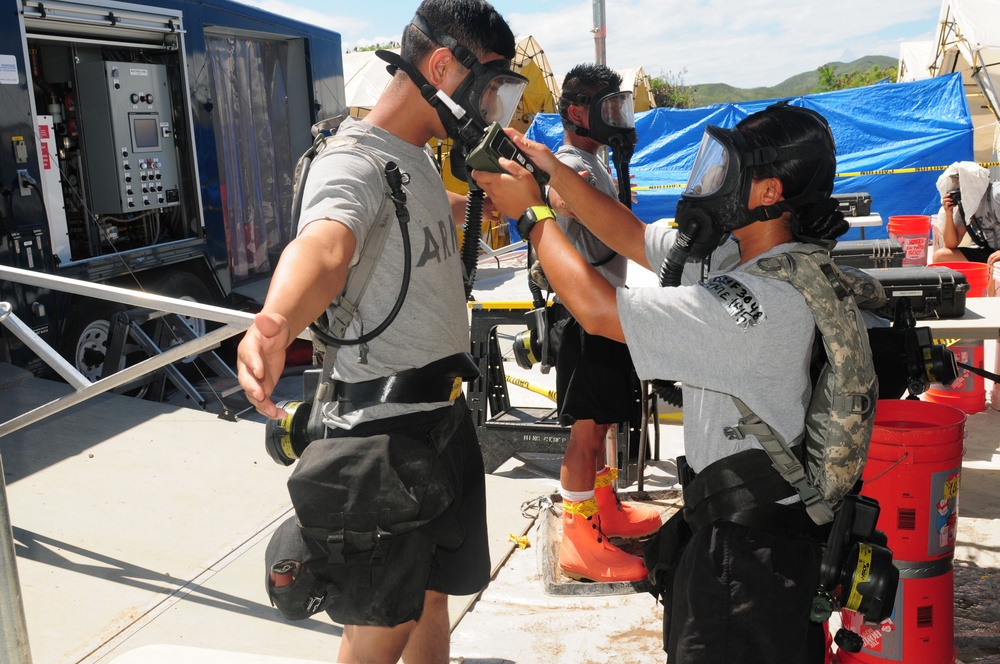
915, 60
968, 41
365, 77
642, 91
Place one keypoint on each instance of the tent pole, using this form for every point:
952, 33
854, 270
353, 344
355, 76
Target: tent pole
600, 33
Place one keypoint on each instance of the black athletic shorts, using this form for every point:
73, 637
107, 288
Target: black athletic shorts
595, 379
464, 570
976, 254
744, 595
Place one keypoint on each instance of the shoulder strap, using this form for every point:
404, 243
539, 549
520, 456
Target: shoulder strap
782, 458
835, 466
342, 312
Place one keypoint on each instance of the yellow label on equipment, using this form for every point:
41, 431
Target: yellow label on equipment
861, 573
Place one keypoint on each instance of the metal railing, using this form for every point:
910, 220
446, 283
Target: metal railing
13, 629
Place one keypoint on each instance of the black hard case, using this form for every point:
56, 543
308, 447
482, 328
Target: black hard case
933, 292
858, 204
869, 253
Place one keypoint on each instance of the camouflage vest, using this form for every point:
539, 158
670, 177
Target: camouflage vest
841, 412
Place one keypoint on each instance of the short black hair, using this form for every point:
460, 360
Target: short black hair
585, 79
475, 24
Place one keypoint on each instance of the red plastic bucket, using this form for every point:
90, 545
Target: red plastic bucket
968, 392
977, 274
914, 471
911, 231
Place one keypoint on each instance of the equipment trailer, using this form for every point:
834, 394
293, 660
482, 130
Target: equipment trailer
149, 146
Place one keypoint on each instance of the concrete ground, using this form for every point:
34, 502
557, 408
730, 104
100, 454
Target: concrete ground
140, 529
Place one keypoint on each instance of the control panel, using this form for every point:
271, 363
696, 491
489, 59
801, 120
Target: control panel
127, 136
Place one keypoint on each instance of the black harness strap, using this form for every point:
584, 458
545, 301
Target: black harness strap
734, 484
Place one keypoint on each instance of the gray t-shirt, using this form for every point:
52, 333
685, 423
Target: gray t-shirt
987, 217
432, 323
585, 242
736, 334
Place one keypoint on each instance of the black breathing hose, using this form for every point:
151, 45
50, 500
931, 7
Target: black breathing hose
670, 276
472, 234
395, 181
537, 299
621, 155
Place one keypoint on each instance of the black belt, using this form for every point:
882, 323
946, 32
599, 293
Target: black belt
786, 520
744, 489
437, 381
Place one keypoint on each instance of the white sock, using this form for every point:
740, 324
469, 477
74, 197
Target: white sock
575, 496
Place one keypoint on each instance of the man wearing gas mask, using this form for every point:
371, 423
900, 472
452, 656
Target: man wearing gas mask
595, 382
739, 592
452, 70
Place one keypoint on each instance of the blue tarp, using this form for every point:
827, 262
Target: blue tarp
922, 124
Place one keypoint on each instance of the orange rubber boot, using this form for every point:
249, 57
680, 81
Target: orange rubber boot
585, 552
620, 519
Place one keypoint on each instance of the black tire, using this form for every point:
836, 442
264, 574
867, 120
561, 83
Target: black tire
84, 342
185, 286
85, 338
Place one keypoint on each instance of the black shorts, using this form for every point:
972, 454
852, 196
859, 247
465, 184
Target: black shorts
595, 379
744, 595
976, 254
465, 569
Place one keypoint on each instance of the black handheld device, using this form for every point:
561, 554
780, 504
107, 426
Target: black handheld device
485, 156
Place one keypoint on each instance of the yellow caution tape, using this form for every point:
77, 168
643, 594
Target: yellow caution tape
520, 382
850, 174
650, 187
606, 479
586, 508
915, 169
947, 342
520, 540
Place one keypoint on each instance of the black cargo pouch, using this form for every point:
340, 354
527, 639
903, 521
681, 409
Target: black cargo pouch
363, 507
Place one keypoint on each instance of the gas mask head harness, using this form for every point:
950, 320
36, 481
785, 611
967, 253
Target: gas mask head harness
611, 115
473, 117
489, 94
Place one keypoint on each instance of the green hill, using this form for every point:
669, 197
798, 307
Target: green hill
706, 94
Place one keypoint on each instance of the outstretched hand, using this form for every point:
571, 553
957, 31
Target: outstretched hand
260, 360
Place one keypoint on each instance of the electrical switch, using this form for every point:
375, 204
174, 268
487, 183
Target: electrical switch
20, 150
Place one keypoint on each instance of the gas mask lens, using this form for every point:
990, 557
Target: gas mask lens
710, 166
498, 96
618, 111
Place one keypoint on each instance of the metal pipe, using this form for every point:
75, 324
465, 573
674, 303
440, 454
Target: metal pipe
126, 296
14, 648
600, 33
42, 349
122, 377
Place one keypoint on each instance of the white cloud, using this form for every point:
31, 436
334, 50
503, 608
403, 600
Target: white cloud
745, 43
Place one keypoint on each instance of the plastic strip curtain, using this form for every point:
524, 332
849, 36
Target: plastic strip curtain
256, 165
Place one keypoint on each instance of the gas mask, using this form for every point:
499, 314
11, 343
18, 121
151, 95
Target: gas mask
612, 117
490, 93
715, 201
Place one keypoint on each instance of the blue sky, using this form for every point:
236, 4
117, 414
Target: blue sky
744, 43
